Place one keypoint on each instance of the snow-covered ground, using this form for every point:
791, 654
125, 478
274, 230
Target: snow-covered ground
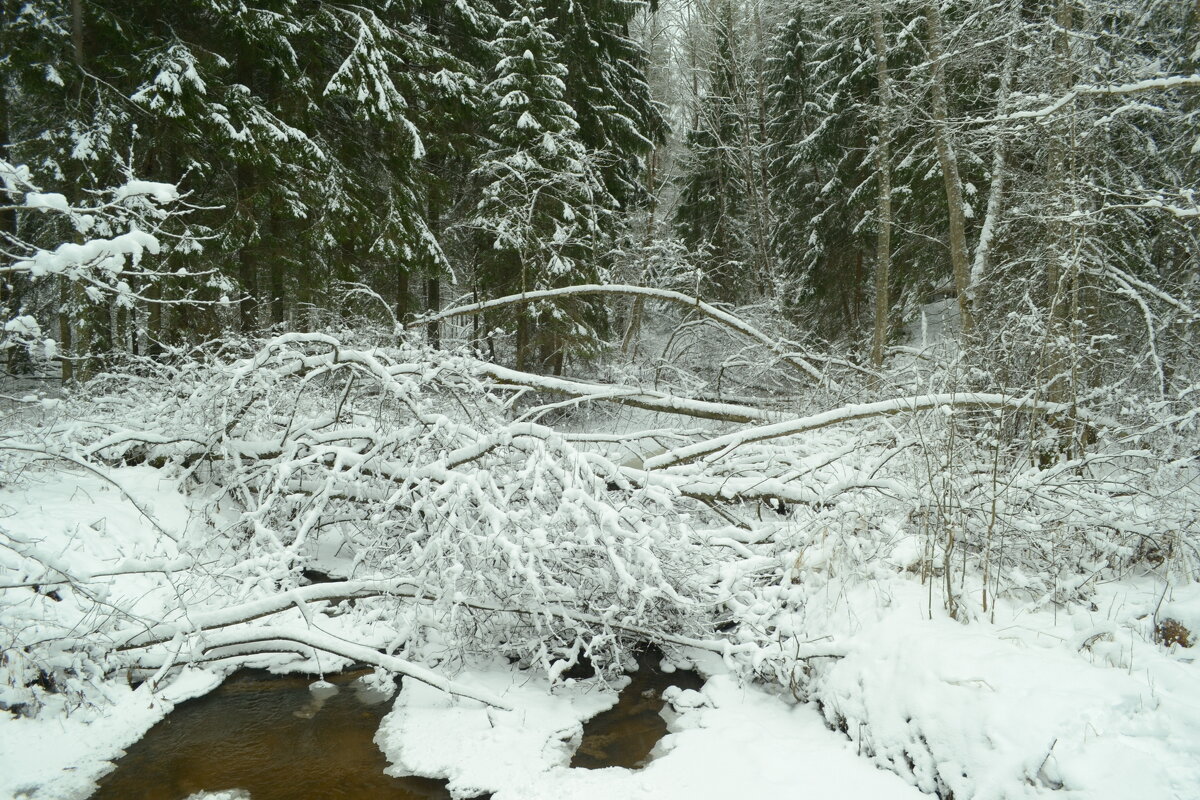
84, 525
730, 740
1079, 704
59, 757
1032, 705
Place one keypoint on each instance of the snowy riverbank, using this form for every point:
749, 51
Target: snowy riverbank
1077, 703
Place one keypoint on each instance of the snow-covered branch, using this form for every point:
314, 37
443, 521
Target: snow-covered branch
633, 396
782, 350
1092, 90
901, 405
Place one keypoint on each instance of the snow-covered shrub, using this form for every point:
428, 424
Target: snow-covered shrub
947, 498
80, 562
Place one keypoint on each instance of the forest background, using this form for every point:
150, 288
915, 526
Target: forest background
835, 166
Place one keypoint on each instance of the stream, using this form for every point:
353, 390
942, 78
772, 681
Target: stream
271, 738
268, 736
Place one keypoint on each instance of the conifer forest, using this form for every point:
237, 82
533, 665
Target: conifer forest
843, 355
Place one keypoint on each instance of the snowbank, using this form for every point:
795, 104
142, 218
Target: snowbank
728, 741
85, 526
1079, 704
479, 749
1034, 705
60, 757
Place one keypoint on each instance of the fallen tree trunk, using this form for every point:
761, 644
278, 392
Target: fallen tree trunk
850, 413
632, 396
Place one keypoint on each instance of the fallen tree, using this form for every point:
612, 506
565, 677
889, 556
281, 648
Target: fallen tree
464, 528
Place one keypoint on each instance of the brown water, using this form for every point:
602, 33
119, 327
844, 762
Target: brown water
270, 737
624, 735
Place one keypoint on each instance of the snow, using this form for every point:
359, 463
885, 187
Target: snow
161, 192
1030, 705
1059, 689
745, 742
60, 757
724, 444
478, 748
527, 122
85, 526
23, 326
105, 254
727, 741
52, 201
1149, 84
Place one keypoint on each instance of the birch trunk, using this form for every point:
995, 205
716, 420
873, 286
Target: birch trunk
999, 173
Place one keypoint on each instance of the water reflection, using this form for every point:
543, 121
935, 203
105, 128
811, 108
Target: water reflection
269, 736
624, 735
278, 738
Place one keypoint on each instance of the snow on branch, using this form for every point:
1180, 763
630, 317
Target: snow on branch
114, 231
780, 349
461, 531
165, 631
270, 637
627, 395
850, 413
1091, 90
137, 207
406, 459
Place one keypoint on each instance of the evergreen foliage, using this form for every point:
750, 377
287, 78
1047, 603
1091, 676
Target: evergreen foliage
710, 216
315, 142
544, 206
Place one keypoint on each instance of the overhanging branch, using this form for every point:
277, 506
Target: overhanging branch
730, 321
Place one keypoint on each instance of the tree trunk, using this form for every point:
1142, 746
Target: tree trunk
883, 168
523, 337
1060, 283
246, 178
276, 273
433, 304
991, 219
433, 284
401, 292
8, 215
66, 322
1191, 34
77, 31
949, 164
635, 324
155, 328
247, 261
64, 331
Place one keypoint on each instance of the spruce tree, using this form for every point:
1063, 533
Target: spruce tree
710, 216
544, 207
824, 137
606, 85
